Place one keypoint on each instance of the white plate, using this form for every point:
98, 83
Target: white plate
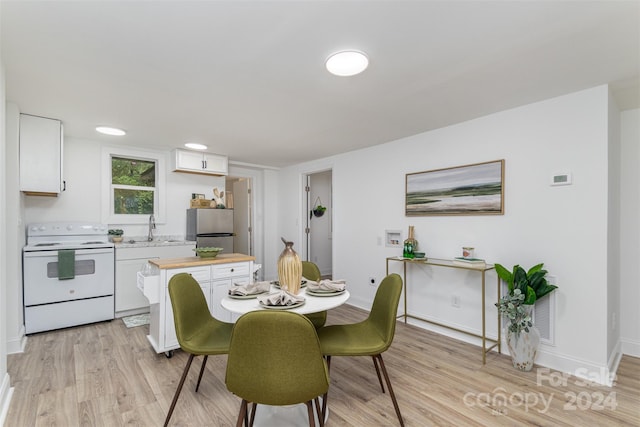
250, 296
281, 307
324, 293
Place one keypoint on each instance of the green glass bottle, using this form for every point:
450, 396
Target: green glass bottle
410, 245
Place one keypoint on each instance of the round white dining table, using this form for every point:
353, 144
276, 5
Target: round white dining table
293, 415
312, 303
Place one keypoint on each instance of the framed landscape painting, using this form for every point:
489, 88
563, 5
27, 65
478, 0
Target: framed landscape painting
476, 189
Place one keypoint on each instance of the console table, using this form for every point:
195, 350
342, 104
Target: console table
450, 264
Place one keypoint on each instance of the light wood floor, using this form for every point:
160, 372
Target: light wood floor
108, 375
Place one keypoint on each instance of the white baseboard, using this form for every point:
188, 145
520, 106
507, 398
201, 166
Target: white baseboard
547, 359
18, 343
630, 347
6, 392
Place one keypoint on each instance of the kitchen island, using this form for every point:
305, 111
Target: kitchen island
215, 276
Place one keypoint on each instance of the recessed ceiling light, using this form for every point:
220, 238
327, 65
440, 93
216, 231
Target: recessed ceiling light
110, 131
347, 63
195, 146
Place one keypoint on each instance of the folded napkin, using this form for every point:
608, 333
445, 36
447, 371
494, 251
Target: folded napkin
280, 298
249, 288
327, 285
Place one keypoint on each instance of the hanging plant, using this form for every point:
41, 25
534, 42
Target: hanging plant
318, 210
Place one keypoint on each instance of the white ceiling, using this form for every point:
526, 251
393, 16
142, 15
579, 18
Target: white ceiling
247, 78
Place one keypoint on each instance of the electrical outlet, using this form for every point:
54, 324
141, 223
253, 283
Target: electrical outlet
455, 301
372, 281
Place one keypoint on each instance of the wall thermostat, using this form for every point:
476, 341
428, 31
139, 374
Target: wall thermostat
561, 179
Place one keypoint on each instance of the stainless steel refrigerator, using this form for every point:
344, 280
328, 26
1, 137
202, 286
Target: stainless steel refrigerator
211, 228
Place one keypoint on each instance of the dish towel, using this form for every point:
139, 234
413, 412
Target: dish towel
249, 288
327, 285
66, 264
280, 298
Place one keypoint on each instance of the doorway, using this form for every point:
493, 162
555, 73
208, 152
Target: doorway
319, 226
238, 198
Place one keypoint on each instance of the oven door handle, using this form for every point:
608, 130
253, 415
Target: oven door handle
79, 252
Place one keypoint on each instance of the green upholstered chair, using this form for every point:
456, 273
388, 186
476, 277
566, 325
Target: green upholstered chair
198, 332
370, 337
312, 272
275, 359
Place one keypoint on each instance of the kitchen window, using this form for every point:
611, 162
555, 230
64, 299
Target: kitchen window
133, 187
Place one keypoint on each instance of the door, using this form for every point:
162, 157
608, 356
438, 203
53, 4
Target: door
319, 229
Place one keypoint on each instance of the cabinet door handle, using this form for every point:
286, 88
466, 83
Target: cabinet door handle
64, 185
204, 164
232, 270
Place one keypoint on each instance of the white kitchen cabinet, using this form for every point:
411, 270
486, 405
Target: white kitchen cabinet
199, 162
130, 260
214, 276
41, 143
223, 277
203, 277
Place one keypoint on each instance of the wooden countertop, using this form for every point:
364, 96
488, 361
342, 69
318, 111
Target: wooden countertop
198, 261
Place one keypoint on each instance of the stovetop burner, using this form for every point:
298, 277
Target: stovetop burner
48, 236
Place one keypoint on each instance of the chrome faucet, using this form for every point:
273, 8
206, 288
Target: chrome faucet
152, 226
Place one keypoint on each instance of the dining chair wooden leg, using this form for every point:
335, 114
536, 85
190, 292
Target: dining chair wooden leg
254, 406
375, 363
204, 363
312, 422
393, 396
242, 415
326, 395
180, 384
318, 409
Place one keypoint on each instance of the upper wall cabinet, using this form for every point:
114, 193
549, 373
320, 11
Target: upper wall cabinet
199, 162
40, 156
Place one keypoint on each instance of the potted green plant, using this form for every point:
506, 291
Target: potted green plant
524, 289
116, 235
318, 210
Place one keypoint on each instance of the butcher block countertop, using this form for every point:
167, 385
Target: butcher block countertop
198, 261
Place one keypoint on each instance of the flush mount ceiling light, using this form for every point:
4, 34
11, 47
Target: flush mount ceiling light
110, 131
195, 146
347, 63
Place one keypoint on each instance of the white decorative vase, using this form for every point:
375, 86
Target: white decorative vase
523, 347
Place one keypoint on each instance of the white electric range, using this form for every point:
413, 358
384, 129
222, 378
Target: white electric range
84, 292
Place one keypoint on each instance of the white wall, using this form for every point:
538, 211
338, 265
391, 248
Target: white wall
5, 380
629, 319
613, 234
82, 199
15, 234
565, 226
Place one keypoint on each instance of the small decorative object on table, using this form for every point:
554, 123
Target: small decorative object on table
470, 262
208, 252
410, 245
467, 252
525, 288
289, 269
116, 235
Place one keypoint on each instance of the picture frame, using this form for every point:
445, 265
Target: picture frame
197, 196
474, 189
